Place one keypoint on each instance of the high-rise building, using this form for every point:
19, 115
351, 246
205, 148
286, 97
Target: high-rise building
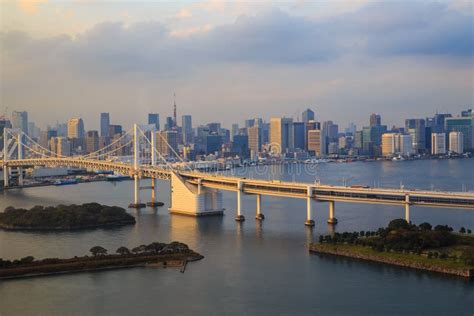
234, 131
169, 123
456, 142
255, 140
438, 143
104, 124
299, 134
61, 146
308, 115
75, 128
281, 135
249, 123
240, 146
214, 143
46, 137
154, 119
20, 121
396, 144
214, 127
375, 120
351, 129
467, 113
33, 130
92, 141
167, 143
465, 125
416, 128
314, 142
4, 123
187, 125
115, 130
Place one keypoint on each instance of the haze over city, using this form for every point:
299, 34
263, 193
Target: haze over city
228, 61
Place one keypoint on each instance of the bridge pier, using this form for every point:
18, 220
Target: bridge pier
407, 208
136, 201
154, 194
239, 217
309, 211
332, 220
259, 215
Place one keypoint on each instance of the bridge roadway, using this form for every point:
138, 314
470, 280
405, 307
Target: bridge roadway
323, 193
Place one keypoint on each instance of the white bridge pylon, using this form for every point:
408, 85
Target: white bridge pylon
196, 193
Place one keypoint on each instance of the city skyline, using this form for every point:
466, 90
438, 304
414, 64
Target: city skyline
258, 59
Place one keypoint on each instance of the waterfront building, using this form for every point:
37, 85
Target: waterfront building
154, 119
396, 144
104, 124
416, 128
456, 142
308, 115
314, 142
438, 143
299, 135
333, 148
20, 121
464, 125
254, 140
240, 145
187, 126
281, 135
92, 141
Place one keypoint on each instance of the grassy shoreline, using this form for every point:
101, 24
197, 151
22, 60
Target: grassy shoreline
409, 260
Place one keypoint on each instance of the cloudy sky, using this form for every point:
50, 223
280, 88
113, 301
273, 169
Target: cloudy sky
228, 61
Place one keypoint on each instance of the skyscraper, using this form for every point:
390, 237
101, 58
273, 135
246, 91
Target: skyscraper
416, 128
375, 120
154, 119
75, 128
456, 143
167, 143
255, 140
314, 142
299, 140
308, 115
465, 125
187, 125
20, 120
104, 124
281, 135
438, 143
92, 141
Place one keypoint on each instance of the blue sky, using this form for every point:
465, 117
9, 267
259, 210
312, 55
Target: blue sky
228, 61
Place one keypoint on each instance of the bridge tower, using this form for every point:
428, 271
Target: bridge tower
6, 169
154, 182
239, 217
136, 170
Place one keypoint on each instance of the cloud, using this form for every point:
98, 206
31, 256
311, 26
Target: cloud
30, 6
184, 13
384, 52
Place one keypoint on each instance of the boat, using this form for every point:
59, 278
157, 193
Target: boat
114, 177
65, 182
399, 158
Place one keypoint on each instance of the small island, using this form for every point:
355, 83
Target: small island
421, 247
65, 217
156, 254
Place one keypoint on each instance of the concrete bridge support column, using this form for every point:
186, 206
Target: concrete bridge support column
407, 208
309, 211
239, 217
259, 215
332, 220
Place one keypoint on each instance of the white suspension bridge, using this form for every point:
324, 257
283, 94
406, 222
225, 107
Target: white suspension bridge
197, 193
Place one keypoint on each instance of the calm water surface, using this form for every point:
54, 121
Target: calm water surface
249, 268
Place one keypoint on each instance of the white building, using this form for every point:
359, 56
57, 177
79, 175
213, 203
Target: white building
397, 144
438, 143
456, 142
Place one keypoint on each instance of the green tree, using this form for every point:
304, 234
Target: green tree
425, 226
123, 251
462, 230
398, 224
98, 250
